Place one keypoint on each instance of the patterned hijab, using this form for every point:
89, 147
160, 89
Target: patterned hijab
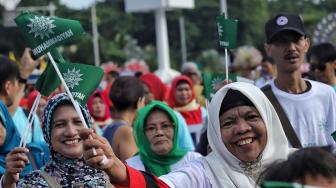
67, 172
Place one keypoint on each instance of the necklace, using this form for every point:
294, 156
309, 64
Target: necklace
252, 169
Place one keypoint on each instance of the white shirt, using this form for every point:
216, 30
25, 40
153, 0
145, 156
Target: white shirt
191, 175
136, 162
312, 114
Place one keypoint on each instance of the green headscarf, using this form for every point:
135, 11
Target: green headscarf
156, 164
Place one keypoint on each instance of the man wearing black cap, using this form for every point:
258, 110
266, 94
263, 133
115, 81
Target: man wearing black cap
308, 105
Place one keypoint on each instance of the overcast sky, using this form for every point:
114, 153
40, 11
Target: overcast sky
77, 4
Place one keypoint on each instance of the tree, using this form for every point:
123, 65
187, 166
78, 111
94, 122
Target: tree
122, 33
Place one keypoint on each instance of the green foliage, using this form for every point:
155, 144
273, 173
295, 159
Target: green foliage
127, 35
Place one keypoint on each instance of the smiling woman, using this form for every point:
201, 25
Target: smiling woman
244, 132
66, 166
242, 128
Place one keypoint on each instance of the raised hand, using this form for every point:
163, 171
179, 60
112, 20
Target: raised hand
104, 158
221, 84
16, 160
28, 64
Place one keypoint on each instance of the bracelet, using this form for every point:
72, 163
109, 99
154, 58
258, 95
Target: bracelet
22, 80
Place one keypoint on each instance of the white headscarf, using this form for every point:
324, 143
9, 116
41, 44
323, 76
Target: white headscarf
222, 167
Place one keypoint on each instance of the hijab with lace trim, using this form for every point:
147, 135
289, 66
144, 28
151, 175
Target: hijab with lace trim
222, 167
67, 172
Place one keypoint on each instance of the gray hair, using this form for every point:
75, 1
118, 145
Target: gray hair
190, 66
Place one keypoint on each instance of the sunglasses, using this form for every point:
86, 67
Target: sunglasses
319, 66
190, 74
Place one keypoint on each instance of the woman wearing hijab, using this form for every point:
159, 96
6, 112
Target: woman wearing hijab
182, 99
154, 90
153, 86
156, 132
99, 108
244, 132
66, 167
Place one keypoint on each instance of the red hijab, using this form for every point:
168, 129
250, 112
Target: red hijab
154, 84
105, 100
171, 98
31, 99
192, 115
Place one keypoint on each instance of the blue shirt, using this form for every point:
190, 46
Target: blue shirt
12, 140
20, 120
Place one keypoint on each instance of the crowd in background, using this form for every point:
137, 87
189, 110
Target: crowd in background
170, 131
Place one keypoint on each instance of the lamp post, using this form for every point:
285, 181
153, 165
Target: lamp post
95, 35
183, 40
159, 7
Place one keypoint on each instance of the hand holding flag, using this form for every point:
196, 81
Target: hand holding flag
43, 34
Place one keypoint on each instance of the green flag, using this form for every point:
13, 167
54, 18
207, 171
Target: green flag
276, 184
43, 32
81, 80
211, 79
227, 32
48, 84
56, 55
48, 81
334, 135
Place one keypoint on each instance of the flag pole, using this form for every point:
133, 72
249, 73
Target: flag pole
30, 119
75, 103
226, 65
226, 56
67, 90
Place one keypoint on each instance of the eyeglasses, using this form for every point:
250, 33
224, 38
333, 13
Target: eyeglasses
151, 129
190, 74
319, 66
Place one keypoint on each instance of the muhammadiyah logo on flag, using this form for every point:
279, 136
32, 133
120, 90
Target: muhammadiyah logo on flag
72, 77
41, 26
81, 79
210, 80
227, 32
43, 33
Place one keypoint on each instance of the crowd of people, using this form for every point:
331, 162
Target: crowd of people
145, 133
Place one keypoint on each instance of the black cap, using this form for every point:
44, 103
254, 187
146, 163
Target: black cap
234, 98
284, 22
